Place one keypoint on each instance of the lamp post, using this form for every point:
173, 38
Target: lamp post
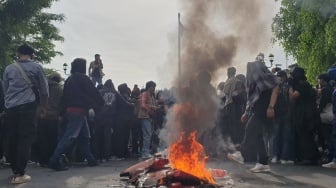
65, 68
261, 57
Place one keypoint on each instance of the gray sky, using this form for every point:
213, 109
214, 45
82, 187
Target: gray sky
134, 37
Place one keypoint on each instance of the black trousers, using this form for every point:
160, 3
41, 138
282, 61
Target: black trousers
46, 139
253, 145
19, 135
136, 136
101, 142
120, 137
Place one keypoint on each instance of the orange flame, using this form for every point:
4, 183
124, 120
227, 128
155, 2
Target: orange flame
188, 155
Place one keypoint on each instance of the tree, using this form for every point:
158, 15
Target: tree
306, 29
26, 21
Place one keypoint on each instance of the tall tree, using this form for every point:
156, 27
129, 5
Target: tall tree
26, 21
306, 29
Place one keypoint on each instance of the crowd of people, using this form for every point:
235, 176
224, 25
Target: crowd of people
270, 116
279, 117
54, 123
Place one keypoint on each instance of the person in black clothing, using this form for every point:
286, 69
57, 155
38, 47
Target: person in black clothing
136, 132
262, 94
234, 91
79, 96
135, 92
121, 132
105, 121
283, 133
303, 116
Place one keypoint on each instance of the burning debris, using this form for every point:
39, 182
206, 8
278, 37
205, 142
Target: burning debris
185, 167
188, 155
158, 172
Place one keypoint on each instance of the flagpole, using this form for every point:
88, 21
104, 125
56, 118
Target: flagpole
179, 48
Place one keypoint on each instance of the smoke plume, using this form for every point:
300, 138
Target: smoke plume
215, 34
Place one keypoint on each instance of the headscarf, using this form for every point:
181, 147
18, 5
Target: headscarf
109, 86
258, 79
298, 73
78, 66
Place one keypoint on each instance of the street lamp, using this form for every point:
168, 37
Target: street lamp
261, 57
65, 68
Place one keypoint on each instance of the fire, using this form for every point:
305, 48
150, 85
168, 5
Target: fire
188, 155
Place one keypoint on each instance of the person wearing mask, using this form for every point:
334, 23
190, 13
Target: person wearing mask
283, 132
25, 86
262, 93
79, 95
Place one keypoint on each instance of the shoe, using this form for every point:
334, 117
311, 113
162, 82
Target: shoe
332, 164
274, 160
58, 167
61, 164
64, 162
286, 162
260, 168
20, 179
236, 157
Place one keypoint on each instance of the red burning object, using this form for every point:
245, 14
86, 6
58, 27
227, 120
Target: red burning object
185, 167
156, 172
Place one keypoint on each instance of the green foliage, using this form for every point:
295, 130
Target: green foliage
306, 29
25, 21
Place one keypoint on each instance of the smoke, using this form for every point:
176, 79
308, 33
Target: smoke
215, 35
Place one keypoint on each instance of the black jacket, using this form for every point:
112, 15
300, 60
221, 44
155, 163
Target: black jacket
80, 92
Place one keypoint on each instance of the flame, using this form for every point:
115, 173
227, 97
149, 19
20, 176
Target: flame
188, 155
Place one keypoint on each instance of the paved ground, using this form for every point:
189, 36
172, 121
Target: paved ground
107, 175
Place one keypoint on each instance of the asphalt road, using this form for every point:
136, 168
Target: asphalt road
107, 175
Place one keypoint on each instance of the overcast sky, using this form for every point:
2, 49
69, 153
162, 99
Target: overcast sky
132, 36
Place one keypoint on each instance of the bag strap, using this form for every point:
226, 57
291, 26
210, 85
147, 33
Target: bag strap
23, 74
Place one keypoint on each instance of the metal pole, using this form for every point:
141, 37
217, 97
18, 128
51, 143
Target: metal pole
179, 48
